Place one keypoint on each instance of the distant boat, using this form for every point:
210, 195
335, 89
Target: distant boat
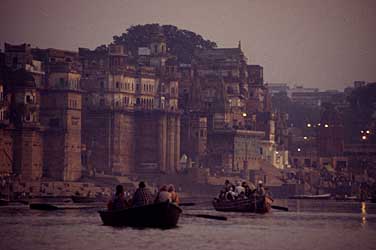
258, 205
4, 202
86, 199
158, 215
50, 199
312, 197
347, 198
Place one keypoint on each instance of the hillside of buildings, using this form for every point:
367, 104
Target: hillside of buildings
164, 104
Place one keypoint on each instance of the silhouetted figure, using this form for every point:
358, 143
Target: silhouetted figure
142, 196
260, 191
118, 201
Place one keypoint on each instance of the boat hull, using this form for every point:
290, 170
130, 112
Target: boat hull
160, 215
259, 205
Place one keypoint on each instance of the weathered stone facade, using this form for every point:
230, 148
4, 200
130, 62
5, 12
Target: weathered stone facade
230, 95
131, 121
26, 134
108, 111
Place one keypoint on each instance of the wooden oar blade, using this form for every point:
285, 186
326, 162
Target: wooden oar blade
208, 216
280, 208
43, 206
187, 204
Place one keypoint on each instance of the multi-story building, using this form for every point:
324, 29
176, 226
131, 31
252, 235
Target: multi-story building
24, 77
27, 133
131, 120
229, 95
61, 114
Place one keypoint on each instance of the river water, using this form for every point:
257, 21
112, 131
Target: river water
308, 225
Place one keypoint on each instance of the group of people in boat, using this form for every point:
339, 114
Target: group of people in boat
141, 197
241, 190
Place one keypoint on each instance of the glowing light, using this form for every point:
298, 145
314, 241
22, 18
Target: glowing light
364, 208
362, 131
368, 132
326, 125
276, 152
364, 213
309, 125
305, 138
244, 114
299, 150
364, 137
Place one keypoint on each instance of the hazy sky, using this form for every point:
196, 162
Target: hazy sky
315, 43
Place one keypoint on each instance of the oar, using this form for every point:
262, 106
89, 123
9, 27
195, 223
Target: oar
43, 206
280, 208
49, 207
208, 216
187, 204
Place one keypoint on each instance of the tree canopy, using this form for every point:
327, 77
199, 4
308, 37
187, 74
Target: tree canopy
361, 114
180, 42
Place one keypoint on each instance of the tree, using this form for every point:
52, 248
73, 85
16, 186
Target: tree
181, 43
361, 114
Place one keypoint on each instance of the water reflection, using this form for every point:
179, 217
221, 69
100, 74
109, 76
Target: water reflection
364, 213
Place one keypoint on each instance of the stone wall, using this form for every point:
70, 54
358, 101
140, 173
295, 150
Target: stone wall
6, 154
28, 149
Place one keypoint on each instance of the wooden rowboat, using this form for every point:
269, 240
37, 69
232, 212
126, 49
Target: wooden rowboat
4, 202
158, 215
257, 205
85, 199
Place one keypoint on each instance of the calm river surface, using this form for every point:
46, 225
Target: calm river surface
308, 225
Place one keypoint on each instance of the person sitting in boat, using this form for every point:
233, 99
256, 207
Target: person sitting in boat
118, 201
222, 195
163, 195
142, 196
260, 191
228, 186
247, 190
239, 190
231, 195
174, 196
